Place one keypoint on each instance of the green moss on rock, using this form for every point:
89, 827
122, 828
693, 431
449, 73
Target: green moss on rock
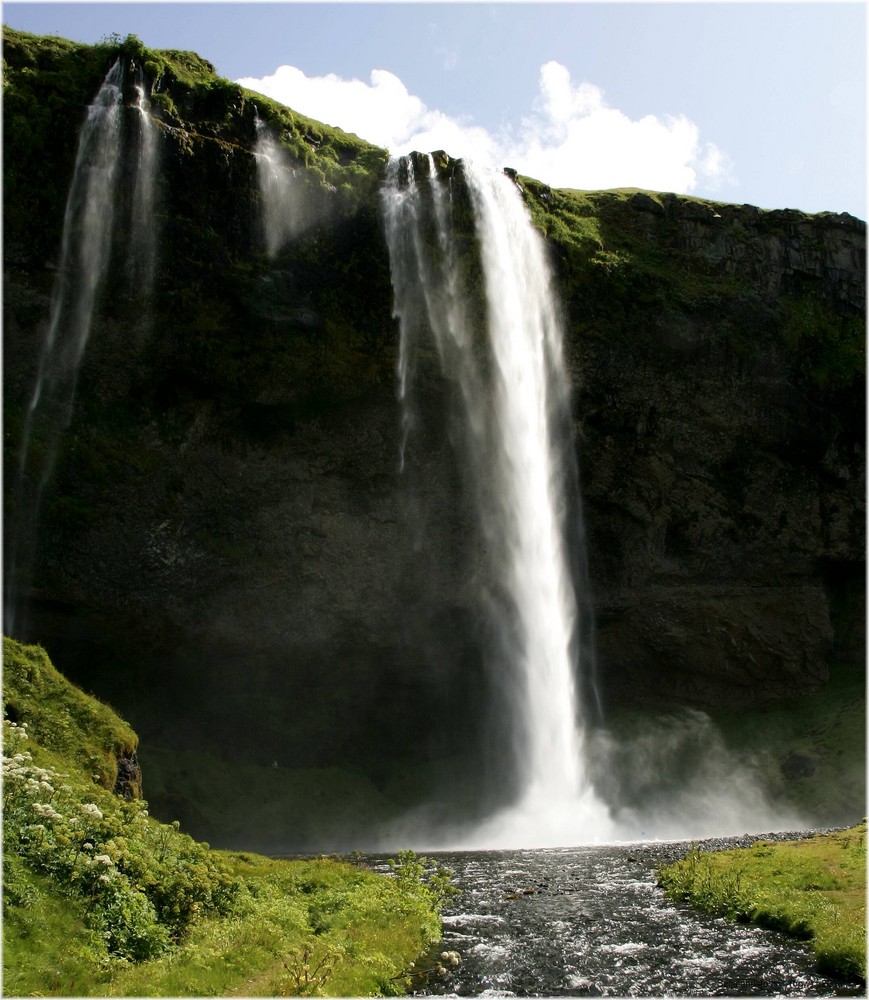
61, 717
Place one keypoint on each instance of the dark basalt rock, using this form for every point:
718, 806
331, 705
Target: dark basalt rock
128, 784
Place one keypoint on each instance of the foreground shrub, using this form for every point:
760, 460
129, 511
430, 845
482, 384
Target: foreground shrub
142, 881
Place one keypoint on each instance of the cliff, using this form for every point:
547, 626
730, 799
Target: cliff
224, 548
720, 412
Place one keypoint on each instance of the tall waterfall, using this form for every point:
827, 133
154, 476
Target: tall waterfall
84, 255
514, 400
90, 220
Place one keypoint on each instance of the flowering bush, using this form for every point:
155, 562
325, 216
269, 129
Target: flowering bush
143, 882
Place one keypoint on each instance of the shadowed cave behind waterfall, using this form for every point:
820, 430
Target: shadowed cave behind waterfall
300, 597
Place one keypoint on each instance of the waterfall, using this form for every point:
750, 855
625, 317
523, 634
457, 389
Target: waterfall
506, 362
89, 222
279, 189
87, 230
142, 251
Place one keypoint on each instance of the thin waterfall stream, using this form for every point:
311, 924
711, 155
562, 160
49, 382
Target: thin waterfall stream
142, 254
84, 255
282, 213
91, 222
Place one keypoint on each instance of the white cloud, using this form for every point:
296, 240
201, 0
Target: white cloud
572, 138
382, 111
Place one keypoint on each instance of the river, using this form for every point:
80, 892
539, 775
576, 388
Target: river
591, 921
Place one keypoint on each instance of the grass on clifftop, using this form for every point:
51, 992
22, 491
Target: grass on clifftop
813, 888
100, 899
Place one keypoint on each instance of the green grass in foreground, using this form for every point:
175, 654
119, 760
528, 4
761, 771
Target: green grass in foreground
813, 888
100, 899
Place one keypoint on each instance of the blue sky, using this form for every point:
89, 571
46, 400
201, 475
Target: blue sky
762, 103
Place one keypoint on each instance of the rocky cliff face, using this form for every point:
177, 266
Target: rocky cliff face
720, 421
228, 552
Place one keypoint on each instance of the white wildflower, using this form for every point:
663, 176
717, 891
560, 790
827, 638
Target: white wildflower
87, 846
44, 810
92, 809
46, 787
103, 878
103, 859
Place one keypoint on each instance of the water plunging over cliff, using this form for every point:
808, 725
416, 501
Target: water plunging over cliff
142, 252
84, 254
90, 218
279, 190
508, 368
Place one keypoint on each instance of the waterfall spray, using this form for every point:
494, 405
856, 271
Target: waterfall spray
279, 189
514, 397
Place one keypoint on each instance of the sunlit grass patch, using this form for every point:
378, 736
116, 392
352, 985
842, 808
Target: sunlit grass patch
47, 946
813, 888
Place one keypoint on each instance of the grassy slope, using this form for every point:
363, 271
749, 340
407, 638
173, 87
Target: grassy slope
813, 888
100, 899
76, 728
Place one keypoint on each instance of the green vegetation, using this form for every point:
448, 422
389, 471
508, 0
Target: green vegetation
48, 80
101, 899
636, 250
64, 721
830, 345
813, 888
